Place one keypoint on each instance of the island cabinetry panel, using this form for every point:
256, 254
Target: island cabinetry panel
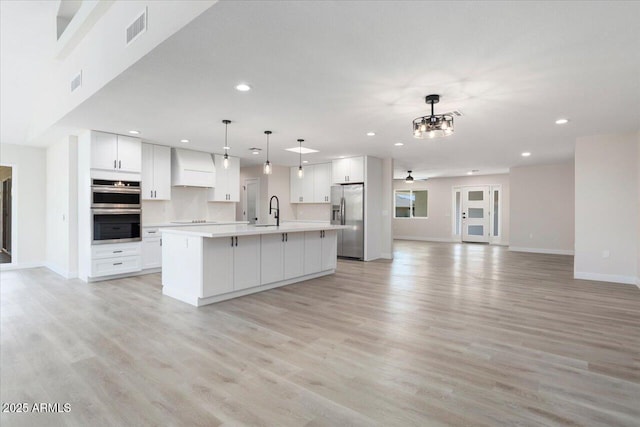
320, 251
282, 257
230, 264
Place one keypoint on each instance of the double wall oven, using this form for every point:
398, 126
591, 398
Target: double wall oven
116, 211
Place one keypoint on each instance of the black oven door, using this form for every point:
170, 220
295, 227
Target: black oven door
117, 198
116, 225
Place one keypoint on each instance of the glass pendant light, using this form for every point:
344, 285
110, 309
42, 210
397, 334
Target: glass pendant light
300, 171
267, 165
225, 161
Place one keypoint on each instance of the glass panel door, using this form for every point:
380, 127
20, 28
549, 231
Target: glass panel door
475, 214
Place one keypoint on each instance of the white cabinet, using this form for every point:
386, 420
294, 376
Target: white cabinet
233, 263
151, 248
115, 152
348, 170
227, 188
320, 251
116, 258
322, 183
282, 257
156, 172
314, 187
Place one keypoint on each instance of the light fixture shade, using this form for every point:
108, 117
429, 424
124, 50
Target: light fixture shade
225, 161
409, 179
434, 125
300, 172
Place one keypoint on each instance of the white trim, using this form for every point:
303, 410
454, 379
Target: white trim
427, 239
614, 278
542, 250
21, 266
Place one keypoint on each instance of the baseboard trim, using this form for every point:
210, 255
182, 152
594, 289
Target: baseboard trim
541, 250
61, 271
427, 239
386, 255
21, 266
614, 278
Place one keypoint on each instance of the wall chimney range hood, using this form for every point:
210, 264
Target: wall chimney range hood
192, 168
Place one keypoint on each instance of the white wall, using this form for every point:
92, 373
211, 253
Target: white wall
606, 206
542, 208
386, 236
438, 225
638, 207
62, 207
29, 197
276, 184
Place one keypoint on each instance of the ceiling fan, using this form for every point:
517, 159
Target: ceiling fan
410, 179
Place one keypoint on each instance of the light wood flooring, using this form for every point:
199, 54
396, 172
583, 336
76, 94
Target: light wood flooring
446, 334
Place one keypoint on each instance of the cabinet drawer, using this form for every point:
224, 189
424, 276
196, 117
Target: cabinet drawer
150, 232
118, 265
115, 250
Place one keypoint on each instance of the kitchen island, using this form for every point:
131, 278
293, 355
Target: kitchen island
206, 264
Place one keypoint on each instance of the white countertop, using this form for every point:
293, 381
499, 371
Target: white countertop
173, 224
247, 230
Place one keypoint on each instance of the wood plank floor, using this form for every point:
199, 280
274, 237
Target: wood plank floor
446, 334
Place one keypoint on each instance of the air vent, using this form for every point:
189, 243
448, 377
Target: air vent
457, 113
76, 82
137, 27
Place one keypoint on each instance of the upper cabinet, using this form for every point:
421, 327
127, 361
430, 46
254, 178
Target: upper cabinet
313, 187
156, 172
115, 152
227, 188
348, 170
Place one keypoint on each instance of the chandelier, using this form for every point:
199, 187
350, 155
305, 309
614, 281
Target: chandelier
433, 125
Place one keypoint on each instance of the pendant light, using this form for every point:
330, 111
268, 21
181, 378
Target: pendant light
225, 161
267, 165
434, 124
409, 179
300, 171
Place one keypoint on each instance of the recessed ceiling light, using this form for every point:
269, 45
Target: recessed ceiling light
305, 161
255, 152
398, 144
184, 141
243, 87
526, 154
134, 132
302, 150
371, 134
470, 173
341, 157
562, 121
226, 147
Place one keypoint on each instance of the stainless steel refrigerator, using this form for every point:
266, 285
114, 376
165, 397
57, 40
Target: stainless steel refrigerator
347, 208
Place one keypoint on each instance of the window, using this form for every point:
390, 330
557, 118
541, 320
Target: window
411, 204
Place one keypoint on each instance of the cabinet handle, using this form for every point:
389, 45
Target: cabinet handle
286, 237
236, 240
283, 237
151, 193
155, 194
117, 252
114, 164
152, 232
119, 164
232, 242
117, 263
161, 241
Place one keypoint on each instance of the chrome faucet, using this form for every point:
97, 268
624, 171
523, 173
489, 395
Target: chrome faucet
277, 209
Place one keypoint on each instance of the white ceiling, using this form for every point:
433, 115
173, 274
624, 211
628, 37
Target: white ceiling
329, 72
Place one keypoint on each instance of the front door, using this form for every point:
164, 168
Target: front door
475, 214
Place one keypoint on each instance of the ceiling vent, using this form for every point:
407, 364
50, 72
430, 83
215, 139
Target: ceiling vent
137, 27
456, 113
76, 81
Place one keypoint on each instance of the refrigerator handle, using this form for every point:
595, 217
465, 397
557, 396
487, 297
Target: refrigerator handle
342, 211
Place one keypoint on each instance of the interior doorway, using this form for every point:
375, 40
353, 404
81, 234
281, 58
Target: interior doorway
251, 202
6, 215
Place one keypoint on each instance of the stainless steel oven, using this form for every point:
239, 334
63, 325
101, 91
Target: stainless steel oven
115, 225
115, 194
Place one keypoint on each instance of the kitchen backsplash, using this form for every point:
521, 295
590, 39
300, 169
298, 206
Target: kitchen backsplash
186, 203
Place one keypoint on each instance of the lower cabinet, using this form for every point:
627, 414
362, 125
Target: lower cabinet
230, 264
115, 258
282, 257
320, 251
151, 248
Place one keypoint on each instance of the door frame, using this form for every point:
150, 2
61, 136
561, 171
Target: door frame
244, 197
14, 217
493, 239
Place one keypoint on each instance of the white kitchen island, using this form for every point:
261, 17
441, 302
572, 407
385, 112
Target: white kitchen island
206, 264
